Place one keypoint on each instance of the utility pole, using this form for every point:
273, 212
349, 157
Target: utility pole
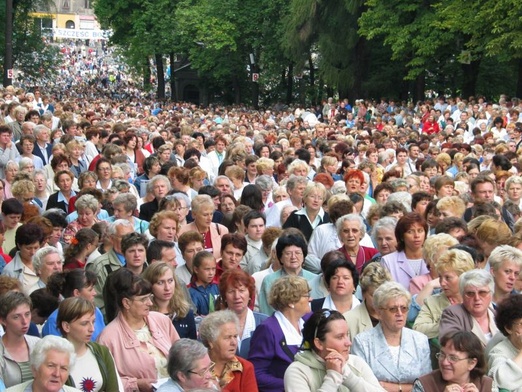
8, 55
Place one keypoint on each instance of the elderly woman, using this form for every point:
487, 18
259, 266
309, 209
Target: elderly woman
237, 291
51, 363
514, 190
104, 173
88, 208
64, 181
189, 367
474, 313
383, 236
397, 355
41, 194
203, 208
266, 184
17, 346
462, 367
308, 218
159, 186
407, 262
276, 341
26, 165
218, 332
364, 316
341, 280
46, 261
23, 190
94, 362
138, 339
164, 226
11, 170
351, 230
326, 363
125, 205
504, 359
449, 267
170, 298
505, 262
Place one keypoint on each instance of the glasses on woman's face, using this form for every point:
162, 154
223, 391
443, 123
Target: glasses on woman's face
395, 309
451, 358
144, 298
473, 294
203, 372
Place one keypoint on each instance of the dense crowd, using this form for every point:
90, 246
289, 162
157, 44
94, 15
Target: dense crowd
340, 248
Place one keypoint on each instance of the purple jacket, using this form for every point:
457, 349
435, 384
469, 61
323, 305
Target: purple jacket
397, 264
270, 355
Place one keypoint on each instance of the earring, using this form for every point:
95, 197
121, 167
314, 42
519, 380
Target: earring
292, 306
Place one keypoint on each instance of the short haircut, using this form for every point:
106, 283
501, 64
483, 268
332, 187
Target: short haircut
388, 291
237, 240
28, 234
287, 290
12, 207
155, 249
508, 311
182, 357
372, 276
505, 253
287, 240
455, 260
251, 215
51, 343
418, 197
71, 309
332, 267
467, 342
11, 300
132, 239
210, 327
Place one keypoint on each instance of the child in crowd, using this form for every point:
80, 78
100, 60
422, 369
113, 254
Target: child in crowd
202, 291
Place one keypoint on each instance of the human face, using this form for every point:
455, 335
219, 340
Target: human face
292, 259
163, 288
167, 230
414, 237
160, 189
264, 152
351, 234
225, 346
104, 171
425, 184
401, 158
120, 213
455, 365
27, 252
220, 146
472, 173
237, 298
81, 329
449, 282
382, 197
132, 143
445, 190
52, 373
50, 264
27, 147
55, 236
414, 151
336, 339
200, 376
65, 183
168, 255
135, 256
386, 241
231, 257
506, 276
515, 192
476, 300
62, 166
430, 172
227, 205
76, 152
139, 305
86, 217
255, 229
341, 283
116, 239
314, 201
5, 138
206, 271
353, 185
484, 192
39, 182
190, 251
393, 314
87, 293
11, 220
223, 185
164, 156
297, 193
203, 218
18, 320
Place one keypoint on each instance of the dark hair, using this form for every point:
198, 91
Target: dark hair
155, 249
508, 311
132, 239
83, 237
290, 240
200, 256
149, 162
28, 234
190, 152
56, 218
448, 224
10, 300
44, 303
392, 207
332, 268
252, 197
340, 208
12, 206
64, 283
501, 162
482, 178
469, 343
383, 186
233, 278
210, 190
470, 244
317, 326
405, 223
254, 214
186, 238
418, 197
237, 240
100, 161
57, 159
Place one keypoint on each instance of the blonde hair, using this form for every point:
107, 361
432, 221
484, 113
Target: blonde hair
456, 260
435, 245
453, 203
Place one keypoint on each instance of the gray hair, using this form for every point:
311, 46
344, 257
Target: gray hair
51, 343
386, 223
513, 180
128, 200
476, 278
111, 230
24, 162
350, 218
39, 129
339, 188
504, 253
402, 197
388, 291
182, 356
210, 327
156, 178
297, 164
294, 181
224, 178
87, 201
125, 167
201, 200
12, 163
39, 172
181, 196
41, 254
264, 182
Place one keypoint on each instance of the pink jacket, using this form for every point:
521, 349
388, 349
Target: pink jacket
214, 235
131, 360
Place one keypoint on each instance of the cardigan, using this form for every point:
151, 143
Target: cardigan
358, 320
428, 319
10, 371
397, 264
502, 367
216, 232
131, 360
433, 382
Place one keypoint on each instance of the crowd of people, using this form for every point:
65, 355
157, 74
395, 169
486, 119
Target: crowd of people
167, 246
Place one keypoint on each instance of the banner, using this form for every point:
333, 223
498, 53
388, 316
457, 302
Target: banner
81, 34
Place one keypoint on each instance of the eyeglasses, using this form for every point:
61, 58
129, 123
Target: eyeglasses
144, 299
451, 358
202, 373
473, 294
395, 309
297, 253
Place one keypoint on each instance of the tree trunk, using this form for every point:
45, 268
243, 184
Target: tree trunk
146, 75
312, 80
160, 75
172, 78
519, 83
469, 79
289, 84
419, 88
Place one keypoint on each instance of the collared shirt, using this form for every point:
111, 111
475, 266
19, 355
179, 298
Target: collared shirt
121, 259
292, 336
61, 197
43, 150
318, 218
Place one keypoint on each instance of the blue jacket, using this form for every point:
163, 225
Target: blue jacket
201, 297
50, 327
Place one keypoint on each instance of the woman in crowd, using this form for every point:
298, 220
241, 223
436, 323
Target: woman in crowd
94, 370
397, 355
182, 208
73, 283
514, 190
75, 151
364, 316
133, 151
63, 180
251, 196
325, 364
16, 346
87, 180
237, 292
87, 207
276, 341
11, 170
180, 180
312, 214
164, 226
407, 262
138, 339
505, 262
351, 230
197, 177
505, 365
218, 332
202, 210
474, 313
82, 245
104, 173
41, 193
462, 367
341, 279
383, 236
170, 298
125, 205
266, 183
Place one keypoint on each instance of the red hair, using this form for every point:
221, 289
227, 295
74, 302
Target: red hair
354, 173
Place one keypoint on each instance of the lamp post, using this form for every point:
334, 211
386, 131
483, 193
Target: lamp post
8, 55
